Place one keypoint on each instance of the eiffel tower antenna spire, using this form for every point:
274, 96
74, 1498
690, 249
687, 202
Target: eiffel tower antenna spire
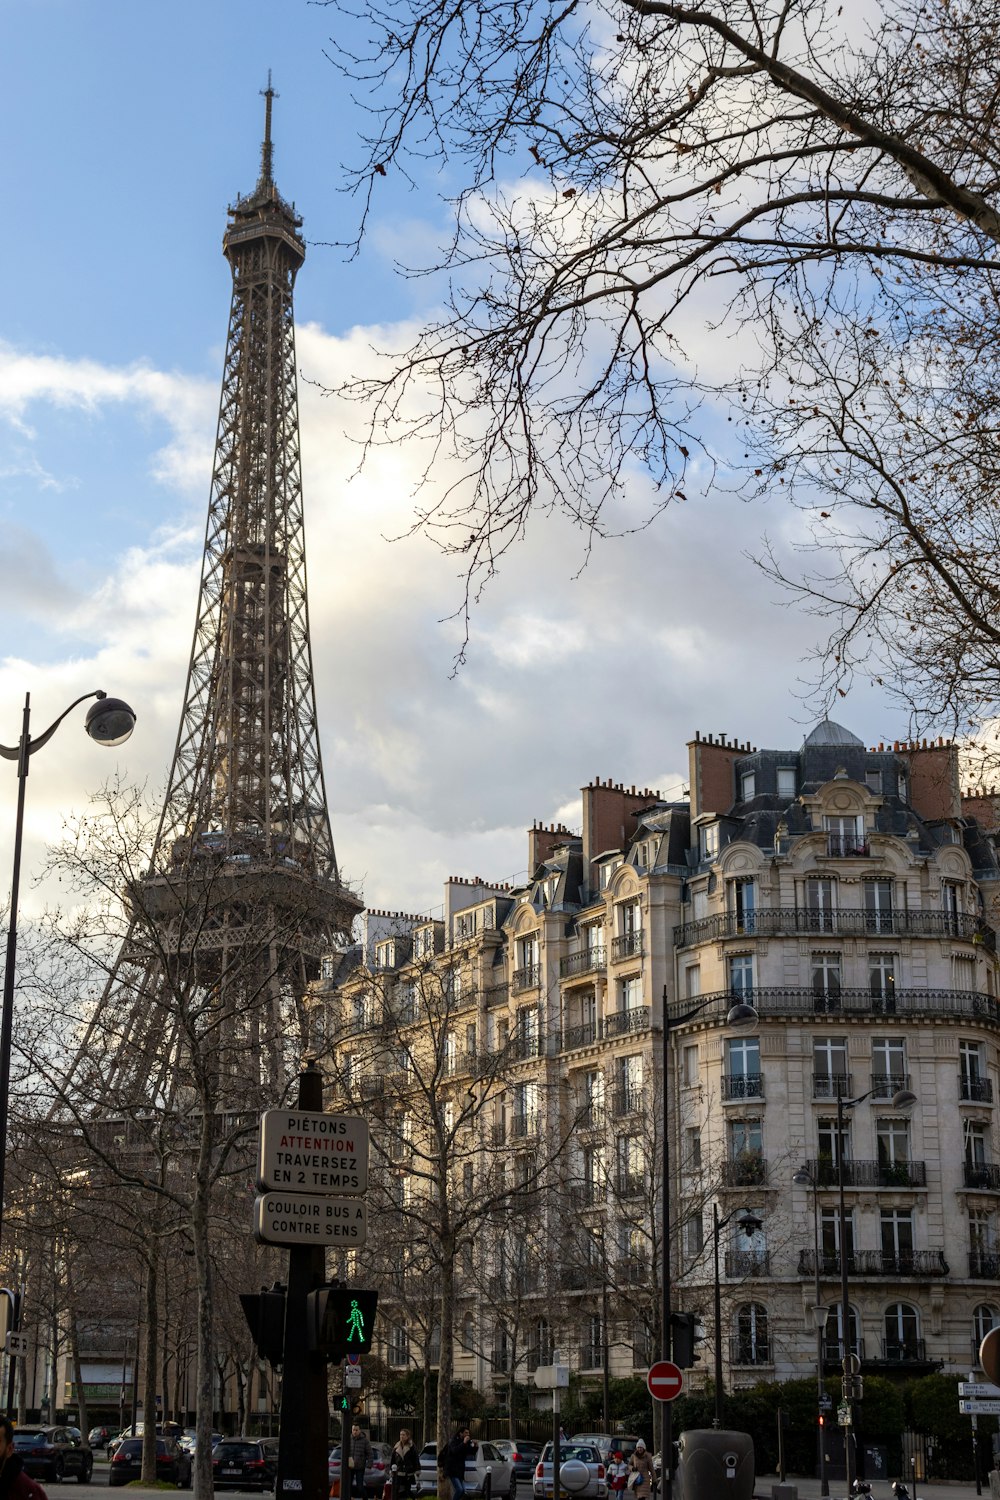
266, 156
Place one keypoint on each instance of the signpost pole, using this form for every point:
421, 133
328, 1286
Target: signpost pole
305, 1417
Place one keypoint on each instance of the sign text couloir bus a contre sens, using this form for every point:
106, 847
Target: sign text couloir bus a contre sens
303, 1152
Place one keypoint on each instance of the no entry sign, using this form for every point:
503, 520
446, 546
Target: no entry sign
665, 1380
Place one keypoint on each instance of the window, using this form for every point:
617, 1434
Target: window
835, 1332
984, 1317
889, 1073
845, 835
832, 1148
983, 1258
743, 1077
748, 786
327, 966
629, 919
826, 982
896, 1225
689, 1064
829, 1231
820, 903
628, 1084
595, 1172
902, 1332
973, 1083
786, 781
901, 786
878, 905
450, 1052
975, 1137
470, 1039
593, 942
606, 871
752, 1344
892, 1146
692, 1149
527, 952
465, 925
593, 1096
630, 1165
709, 841
830, 1075
746, 1166
407, 993
699, 904
694, 1236
385, 955
742, 904
741, 975
630, 993
692, 981
873, 781
527, 1030
882, 981
525, 1118
399, 1346
593, 1344
952, 902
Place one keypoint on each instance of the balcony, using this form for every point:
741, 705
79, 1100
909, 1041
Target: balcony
495, 994
974, 1090
629, 945
792, 921
627, 1100
527, 978
833, 1350
625, 1022
832, 1085
749, 1169
742, 1086
583, 963
982, 1175
583, 1035
587, 1194
593, 1115
630, 1185
747, 1263
749, 1351
869, 1174
371, 1085
522, 1126
524, 1044
917, 1263
956, 1006
631, 1270
903, 1352
887, 1085
984, 1265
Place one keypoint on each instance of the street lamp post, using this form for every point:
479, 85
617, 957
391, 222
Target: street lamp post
903, 1099
110, 722
749, 1224
740, 1016
804, 1177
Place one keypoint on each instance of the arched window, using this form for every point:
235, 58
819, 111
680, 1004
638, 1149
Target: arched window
984, 1317
752, 1344
902, 1333
835, 1334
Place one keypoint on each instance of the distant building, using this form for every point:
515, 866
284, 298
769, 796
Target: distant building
850, 895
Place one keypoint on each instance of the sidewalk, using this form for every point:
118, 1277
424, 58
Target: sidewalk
881, 1488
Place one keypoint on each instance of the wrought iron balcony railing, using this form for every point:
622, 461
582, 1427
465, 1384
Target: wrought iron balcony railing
629, 945
904, 1352
527, 978
975, 1090
846, 846
749, 1169
624, 1022
627, 1100
749, 1351
522, 1125
583, 1035
583, 963
984, 1175
869, 1174
918, 1263
593, 1115
743, 1086
832, 1086
963, 1006
780, 921
748, 1263
984, 1265
887, 1085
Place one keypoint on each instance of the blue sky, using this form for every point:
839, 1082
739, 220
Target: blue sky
127, 130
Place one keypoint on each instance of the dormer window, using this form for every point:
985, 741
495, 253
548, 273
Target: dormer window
709, 841
873, 781
748, 786
786, 781
607, 870
385, 955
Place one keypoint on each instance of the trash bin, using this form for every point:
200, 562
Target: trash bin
715, 1465
876, 1462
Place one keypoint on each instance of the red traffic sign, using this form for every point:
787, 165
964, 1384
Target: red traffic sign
665, 1380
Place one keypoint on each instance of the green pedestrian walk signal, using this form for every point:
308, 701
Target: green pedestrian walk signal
341, 1320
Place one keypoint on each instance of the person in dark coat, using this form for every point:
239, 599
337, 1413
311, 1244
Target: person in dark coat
14, 1483
359, 1457
460, 1447
405, 1461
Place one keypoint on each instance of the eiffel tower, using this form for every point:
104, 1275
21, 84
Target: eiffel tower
245, 816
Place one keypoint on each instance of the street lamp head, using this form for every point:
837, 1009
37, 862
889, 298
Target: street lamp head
903, 1099
110, 721
820, 1316
803, 1178
742, 1017
750, 1225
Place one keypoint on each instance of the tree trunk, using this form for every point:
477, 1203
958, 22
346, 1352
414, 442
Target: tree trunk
205, 1334
83, 1416
446, 1358
150, 1362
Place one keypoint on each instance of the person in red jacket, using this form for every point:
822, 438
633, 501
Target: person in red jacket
15, 1484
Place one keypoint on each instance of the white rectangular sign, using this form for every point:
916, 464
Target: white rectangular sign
352, 1377
306, 1219
306, 1152
17, 1344
986, 1408
978, 1388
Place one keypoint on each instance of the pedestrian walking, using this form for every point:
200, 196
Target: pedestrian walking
641, 1466
617, 1473
406, 1463
460, 1448
359, 1457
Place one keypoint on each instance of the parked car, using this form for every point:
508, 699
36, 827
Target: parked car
503, 1480
173, 1465
53, 1453
376, 1472
189, 1439
522, 1453
99, 1437
582, 1471
244, 1464
621, 1442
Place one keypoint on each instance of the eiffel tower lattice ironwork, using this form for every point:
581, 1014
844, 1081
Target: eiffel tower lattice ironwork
245, 812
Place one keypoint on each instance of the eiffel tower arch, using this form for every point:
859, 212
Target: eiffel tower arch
244, 895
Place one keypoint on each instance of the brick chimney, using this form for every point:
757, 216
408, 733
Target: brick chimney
542, 841
608, 820
710, 766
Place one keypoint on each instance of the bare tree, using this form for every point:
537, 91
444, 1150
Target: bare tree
632, 172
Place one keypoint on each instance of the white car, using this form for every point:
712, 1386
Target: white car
582, 1472
488, 1462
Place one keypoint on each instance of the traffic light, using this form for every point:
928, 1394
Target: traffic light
686, 1333
341, 1320
852, 1388
265, 1314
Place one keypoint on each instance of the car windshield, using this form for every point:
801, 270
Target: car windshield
224, 1451
583, 1452
23, 1437
130, 1446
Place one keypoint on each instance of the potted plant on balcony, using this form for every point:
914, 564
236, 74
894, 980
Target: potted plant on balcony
748, 1169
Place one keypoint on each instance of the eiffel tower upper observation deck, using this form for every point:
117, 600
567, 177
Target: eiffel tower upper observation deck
245, 811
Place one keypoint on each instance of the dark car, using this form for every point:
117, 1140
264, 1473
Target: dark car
99, 1437
375, 1474
524, 1455
173, 1465
53, 1453
244, 1464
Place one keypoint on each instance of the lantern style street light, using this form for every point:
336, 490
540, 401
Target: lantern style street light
110, 722
750, 1224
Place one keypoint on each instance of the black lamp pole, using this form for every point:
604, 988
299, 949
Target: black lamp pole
805, 1177
109, 722
749, 1224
